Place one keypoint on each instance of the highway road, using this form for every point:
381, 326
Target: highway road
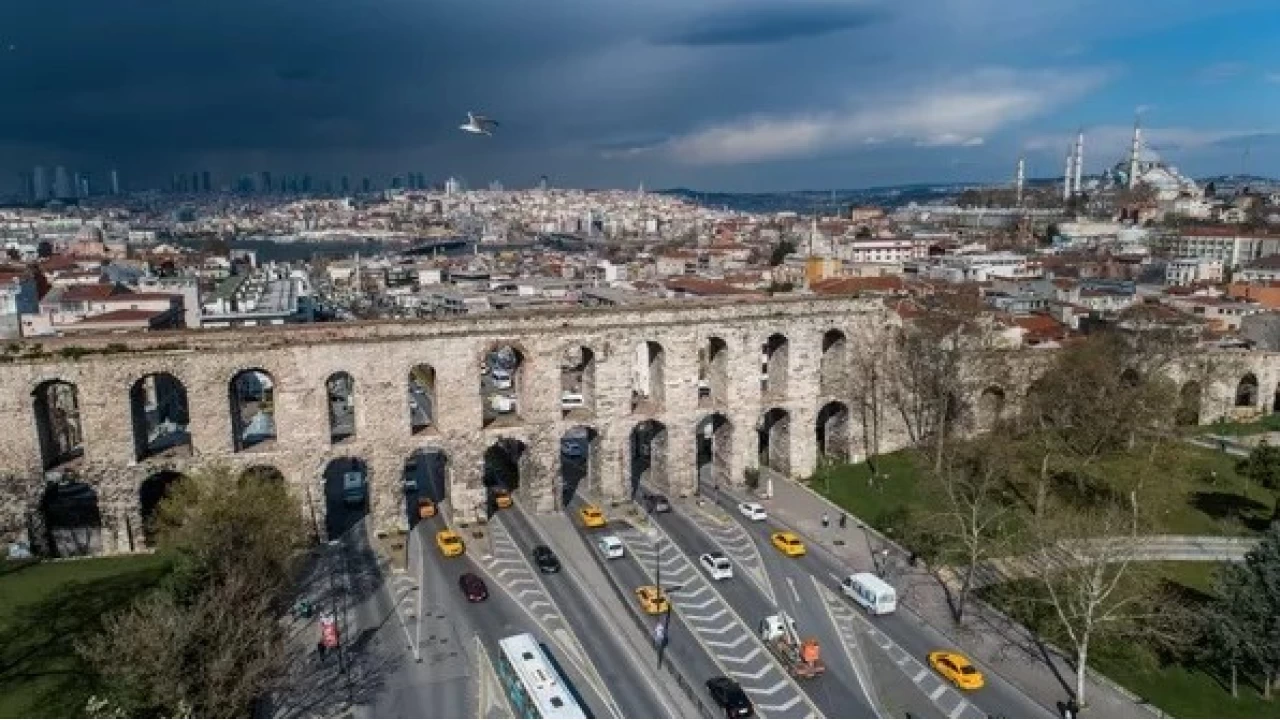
902, 637
729, 640
838, 693
501, 615
612, 660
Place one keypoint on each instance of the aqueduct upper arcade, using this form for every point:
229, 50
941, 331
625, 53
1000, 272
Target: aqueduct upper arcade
545, 404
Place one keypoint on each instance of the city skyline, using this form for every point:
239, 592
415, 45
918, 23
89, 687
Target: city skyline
757, 96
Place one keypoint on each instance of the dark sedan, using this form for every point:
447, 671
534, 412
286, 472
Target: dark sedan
656, 503
546, 560
473, 587
730, 697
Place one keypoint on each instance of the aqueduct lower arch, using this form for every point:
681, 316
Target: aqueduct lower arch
254, 400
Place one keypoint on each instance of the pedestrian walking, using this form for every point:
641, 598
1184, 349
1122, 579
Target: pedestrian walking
844, 520
320, 649
826, 520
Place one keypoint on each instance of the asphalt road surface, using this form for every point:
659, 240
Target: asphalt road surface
612, 661
909, 638
838, 693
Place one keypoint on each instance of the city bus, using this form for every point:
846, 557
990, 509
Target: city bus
533, 685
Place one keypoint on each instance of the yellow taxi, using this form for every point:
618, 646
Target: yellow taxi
652, 600
502, 499
591, 516
956, 669
450, 543
426, 508
787, 543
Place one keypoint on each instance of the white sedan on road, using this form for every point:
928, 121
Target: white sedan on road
611, 547
716, 565
753, 511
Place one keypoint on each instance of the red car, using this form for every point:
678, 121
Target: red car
473, 587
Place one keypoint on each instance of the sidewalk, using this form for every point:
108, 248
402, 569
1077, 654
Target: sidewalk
987, 635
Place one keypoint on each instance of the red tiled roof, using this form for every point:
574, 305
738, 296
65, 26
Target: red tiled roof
704, 286
95, 291
119, 316
853, 285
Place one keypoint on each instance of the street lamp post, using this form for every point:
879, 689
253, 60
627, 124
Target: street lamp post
342, 659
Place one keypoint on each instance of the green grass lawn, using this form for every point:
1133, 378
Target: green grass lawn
1266, 423
1201, 495
44, 609
1182, 689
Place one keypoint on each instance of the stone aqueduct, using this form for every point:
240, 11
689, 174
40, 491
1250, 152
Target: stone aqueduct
663, 388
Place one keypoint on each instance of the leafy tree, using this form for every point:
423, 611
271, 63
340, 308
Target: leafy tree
780, 252
44, 249
1262, 466
1249, 633
13, 254
210, 643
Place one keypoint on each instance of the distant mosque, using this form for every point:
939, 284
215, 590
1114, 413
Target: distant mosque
1143, 167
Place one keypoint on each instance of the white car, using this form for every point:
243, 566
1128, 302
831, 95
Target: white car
611, 547
753, 511
716, 565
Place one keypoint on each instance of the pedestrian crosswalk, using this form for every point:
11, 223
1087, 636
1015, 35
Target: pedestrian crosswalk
725, 636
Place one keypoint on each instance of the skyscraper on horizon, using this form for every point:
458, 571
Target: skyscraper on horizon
115, 182
26, 182
346, 185
40, 184
264, 182
205, 178
62, 188
366, 185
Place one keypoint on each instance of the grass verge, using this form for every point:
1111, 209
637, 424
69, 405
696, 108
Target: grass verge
45, 608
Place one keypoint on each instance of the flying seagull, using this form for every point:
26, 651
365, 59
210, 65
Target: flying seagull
478, 124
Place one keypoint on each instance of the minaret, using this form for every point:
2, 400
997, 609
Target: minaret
1017, 184
1067, 175
1079, 161
1134, 152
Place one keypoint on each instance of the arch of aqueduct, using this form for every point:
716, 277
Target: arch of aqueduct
742, 384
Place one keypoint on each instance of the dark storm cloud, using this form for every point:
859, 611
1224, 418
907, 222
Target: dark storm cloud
135, 76
766, 24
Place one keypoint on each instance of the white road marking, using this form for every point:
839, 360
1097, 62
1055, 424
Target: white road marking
755, 653
783, 707
792, 583
741, 674
726, 644
959, 708
919, 676
709, 618
937, 693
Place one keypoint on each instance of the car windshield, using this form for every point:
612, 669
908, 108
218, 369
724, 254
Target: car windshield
968, 670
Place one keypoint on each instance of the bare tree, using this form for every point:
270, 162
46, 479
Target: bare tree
976, 517
940, 360
868, 392
1089, 574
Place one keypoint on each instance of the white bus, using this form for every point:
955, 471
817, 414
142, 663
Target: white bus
533, 685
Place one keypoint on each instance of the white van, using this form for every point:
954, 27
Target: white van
572, 400
501, 378
872, 593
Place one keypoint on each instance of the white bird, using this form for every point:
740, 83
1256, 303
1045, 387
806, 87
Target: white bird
478, 124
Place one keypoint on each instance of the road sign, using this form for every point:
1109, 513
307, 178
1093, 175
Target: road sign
329, 631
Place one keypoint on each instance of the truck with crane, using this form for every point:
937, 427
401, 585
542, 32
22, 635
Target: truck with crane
801, 656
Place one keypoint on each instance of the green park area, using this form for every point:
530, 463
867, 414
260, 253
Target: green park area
1206, 496
46, 608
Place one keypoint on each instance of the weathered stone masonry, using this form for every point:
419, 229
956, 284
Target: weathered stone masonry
378, 356
810, 338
